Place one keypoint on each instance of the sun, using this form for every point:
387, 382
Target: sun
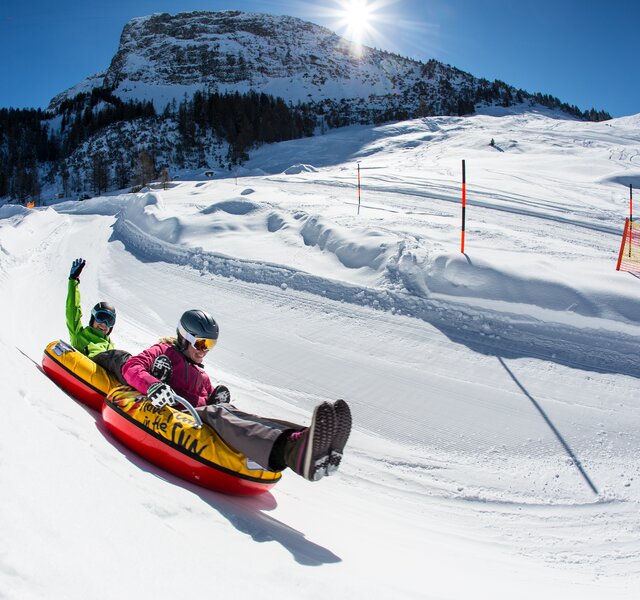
374, 23
356, 20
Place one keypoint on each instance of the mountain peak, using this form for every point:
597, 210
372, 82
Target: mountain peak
163, 57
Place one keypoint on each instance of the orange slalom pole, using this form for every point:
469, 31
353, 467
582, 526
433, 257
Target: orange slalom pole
630, 217
624, 237
464, 204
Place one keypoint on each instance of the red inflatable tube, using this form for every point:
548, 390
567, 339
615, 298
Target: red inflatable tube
70, 382
175, 460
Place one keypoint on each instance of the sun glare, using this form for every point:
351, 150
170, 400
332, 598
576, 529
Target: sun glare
356, 19
374, 23
357, 15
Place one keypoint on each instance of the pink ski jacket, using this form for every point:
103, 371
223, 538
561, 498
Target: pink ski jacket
188, 379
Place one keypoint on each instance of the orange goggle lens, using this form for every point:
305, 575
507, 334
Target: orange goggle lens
202, 344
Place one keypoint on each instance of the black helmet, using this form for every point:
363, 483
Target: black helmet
103, 312
197, 328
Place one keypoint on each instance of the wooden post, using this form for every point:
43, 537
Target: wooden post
464, 204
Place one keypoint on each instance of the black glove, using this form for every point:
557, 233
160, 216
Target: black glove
76, 268
160, 394
220, 395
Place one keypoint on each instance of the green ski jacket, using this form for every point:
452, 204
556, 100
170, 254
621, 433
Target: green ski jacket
88, 340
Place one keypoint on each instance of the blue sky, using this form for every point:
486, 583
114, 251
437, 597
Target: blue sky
583, 52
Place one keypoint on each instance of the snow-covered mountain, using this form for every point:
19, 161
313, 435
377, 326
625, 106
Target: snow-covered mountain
202, 90
162, 57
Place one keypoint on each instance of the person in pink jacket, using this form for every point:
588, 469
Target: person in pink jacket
187, 376
174, 366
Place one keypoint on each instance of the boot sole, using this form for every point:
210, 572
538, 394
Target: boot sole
344, 422
321, 434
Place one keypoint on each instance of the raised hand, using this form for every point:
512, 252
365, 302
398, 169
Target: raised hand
76, 268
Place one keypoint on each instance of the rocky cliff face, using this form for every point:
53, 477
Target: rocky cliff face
162, 57
227, 48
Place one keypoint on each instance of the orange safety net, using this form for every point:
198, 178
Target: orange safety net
629, 257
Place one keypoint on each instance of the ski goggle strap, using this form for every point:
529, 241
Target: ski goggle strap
199, 343
104, 316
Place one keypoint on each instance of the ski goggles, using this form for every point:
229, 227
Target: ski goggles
201, 344
104, 316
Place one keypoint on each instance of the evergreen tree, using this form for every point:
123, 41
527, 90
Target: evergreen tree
164, 178
145, 168
122, 173
99, 173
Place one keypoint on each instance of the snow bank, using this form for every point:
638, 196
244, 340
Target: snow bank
23, 230
145, 212
104, 205
10, 210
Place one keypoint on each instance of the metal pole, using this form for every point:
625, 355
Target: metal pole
189, 407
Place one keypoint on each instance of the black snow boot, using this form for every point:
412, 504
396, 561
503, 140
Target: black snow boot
307, 451
341, 435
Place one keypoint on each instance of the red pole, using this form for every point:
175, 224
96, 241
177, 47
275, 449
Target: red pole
624, 237
358, 188
464, 204
630, 216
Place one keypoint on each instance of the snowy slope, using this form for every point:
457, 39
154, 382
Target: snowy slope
495, 395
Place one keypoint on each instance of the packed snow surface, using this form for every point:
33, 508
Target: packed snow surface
495, 392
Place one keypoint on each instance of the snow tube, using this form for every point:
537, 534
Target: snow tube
171, 440
77, 374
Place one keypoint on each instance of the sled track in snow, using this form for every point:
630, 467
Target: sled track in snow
484, 199
485, 331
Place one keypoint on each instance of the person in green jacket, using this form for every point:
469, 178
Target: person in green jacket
93, 341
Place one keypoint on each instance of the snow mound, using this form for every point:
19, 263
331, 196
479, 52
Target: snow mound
18, 224
455, 275
106, 206
366, 250
232, 207
11, 210
145, 212
300, 168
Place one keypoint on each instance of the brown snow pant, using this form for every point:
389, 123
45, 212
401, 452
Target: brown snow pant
260, 439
